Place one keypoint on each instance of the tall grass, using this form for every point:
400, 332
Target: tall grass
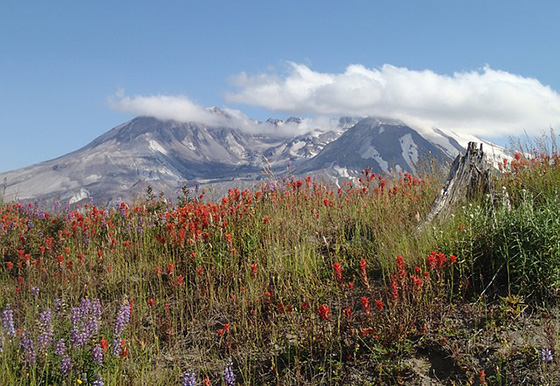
293, 283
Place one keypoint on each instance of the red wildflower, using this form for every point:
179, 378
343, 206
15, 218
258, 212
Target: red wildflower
338, 273
10, 265
220, 332
304, 306
151, 302
363, 273
207, 382
348, 313
379, 304
400, 267
366, 331
452, 259
254, 268
365, 305
180, 280
104, 345
324, 312
170, 269
482, 377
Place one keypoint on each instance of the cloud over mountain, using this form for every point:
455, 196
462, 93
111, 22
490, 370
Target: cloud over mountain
486, 102
180, 108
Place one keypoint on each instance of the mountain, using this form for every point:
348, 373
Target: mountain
167, 155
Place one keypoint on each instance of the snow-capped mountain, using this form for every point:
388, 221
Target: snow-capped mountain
167, 155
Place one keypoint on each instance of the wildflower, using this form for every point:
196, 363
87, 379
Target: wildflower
482, 377
400, 267
117, 349
254, 268
338, 273
65, 364
207, 382
189, 379
546, 355
59, 348
35, 291
123, 317
229, 376
452, 259
46, 338
98, 381
8, 321
28, 349
348, 313
379, 304
97, 354
151, 302
104, 345
365, 305
363, 273
324, 312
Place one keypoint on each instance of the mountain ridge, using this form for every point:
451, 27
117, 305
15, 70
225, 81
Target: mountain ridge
168, 155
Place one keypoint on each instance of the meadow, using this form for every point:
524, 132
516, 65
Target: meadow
291, 283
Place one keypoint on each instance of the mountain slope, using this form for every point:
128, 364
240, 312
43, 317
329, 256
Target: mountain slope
167, 155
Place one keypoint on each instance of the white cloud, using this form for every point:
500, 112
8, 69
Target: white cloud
488, 102
178, 108
182, 109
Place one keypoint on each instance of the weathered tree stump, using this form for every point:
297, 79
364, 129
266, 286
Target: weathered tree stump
469, 176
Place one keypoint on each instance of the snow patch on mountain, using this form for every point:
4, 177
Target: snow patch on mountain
155, 146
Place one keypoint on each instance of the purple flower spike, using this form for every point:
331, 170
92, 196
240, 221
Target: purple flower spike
65, 364
189, 379
546, 355
123, 317
97, 354
8, 321
229, 376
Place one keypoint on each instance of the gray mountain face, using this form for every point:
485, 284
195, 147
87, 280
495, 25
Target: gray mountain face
380, 146
167, 155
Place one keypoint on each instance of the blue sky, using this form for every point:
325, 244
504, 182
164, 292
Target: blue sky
72, 70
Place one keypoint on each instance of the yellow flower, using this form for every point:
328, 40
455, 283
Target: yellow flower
79, 381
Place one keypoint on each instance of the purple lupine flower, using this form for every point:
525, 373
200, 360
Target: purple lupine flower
28, 349
123, 317
76, 333
65, 364
546, 355
57, 305
35, 291
46, 337
189, 379
117, 349
98, 381
97, 353
1, 344
8, 321
96, 308
59, 347
229, 376
85, 306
